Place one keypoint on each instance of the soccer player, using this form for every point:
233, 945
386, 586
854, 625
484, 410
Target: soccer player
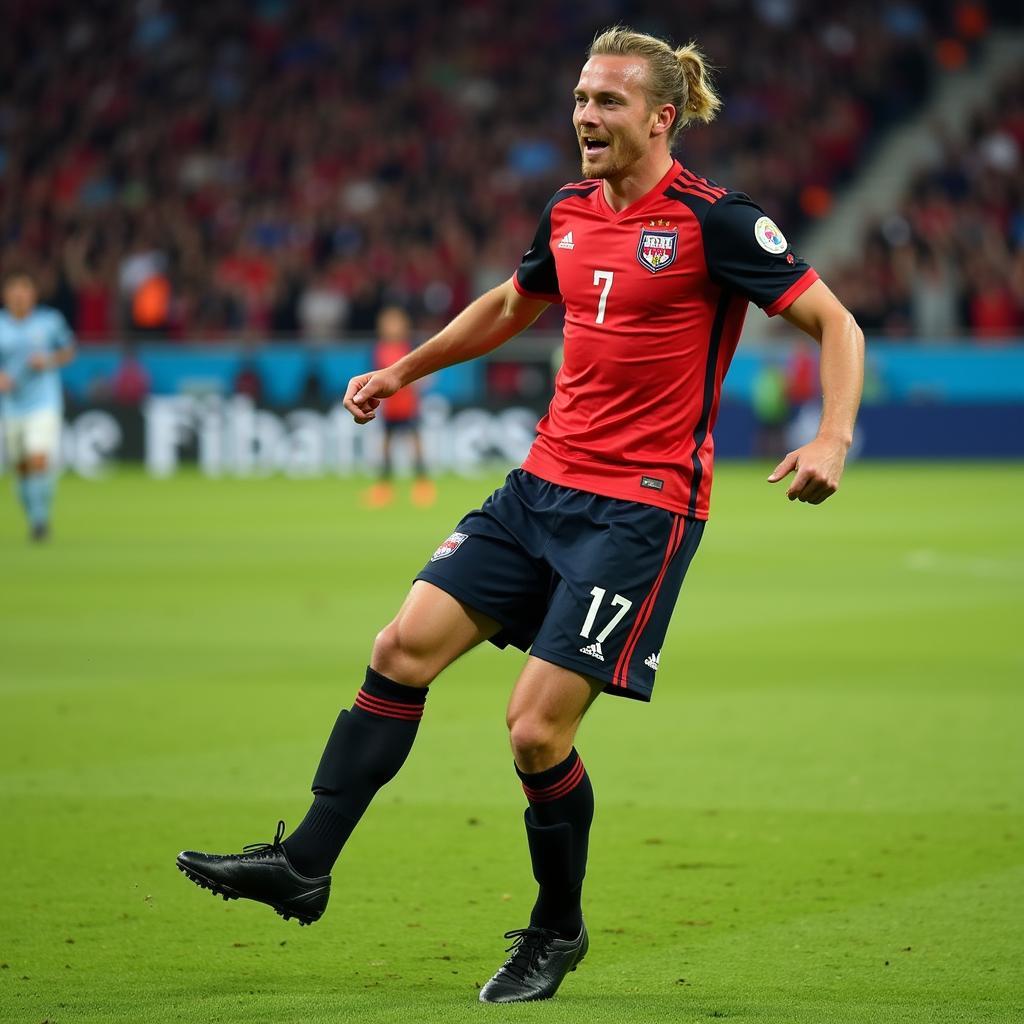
35, 342
578, 558
400, 415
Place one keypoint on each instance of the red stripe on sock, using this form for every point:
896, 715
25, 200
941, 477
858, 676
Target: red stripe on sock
388, 708
557, 789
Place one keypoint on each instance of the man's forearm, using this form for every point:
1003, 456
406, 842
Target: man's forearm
842, 377
482, 326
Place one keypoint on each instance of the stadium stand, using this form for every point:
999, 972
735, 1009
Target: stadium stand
285, 167
950, 261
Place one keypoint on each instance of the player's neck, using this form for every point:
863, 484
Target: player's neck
637, 181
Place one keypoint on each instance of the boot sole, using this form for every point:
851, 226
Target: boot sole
286, 910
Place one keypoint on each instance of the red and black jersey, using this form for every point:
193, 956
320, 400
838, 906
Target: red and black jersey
655, 296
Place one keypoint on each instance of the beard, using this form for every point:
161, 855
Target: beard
616, 159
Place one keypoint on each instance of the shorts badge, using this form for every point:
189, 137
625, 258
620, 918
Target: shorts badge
657, 248
449, 546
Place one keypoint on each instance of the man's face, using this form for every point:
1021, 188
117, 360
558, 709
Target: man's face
19, 296
612, 116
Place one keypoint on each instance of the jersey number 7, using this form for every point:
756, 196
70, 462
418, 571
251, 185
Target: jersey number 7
607, 277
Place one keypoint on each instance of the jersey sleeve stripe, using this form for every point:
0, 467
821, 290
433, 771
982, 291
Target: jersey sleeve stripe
793, 292
697, 204
698, 182
689, 185
532, 295
681, 189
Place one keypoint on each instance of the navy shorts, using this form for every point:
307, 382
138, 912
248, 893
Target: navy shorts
582, 581
394, 428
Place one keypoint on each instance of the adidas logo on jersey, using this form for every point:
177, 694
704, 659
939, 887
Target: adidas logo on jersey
652, 660
594, 650
567, 242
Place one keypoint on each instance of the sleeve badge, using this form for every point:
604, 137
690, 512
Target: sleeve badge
769, 237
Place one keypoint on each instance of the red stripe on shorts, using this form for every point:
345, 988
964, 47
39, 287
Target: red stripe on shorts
675, 538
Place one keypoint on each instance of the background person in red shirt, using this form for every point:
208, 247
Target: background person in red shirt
580, 555
400, 413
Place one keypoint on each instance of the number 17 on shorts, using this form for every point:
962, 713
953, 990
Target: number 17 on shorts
614, 632
623, 604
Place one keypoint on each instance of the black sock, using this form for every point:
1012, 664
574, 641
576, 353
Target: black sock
367, 746
557, 830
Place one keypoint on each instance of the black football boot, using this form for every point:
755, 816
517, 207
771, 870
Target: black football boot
261, 872
539, 962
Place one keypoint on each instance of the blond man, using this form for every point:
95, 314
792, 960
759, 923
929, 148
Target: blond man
579, 557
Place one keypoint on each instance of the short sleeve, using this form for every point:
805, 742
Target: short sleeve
745, 250
61, 335
537, 276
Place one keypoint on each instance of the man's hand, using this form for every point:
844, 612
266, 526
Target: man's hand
6, 383
365, 392
40, 361
819, 467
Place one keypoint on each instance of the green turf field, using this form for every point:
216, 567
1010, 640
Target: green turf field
820, 818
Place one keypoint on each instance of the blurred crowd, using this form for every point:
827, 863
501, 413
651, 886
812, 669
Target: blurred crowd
224, 170
951, 261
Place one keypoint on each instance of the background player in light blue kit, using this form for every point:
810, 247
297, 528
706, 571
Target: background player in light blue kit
35, 342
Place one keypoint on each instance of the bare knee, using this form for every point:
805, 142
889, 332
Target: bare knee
402, 653
537, 742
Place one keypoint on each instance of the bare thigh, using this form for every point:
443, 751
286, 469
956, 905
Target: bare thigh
545, 710
431, 630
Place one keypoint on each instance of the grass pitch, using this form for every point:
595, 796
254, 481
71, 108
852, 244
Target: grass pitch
819, 819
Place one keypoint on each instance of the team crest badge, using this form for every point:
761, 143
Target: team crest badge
657, 248
449, 546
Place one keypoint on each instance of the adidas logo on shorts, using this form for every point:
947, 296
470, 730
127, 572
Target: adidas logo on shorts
594, 650
651, 661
